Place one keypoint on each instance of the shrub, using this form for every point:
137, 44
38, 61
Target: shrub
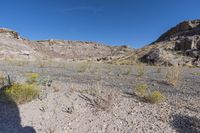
173, 75
147, 96
32, 78
140, 69
155, 97
21, 92
141, 89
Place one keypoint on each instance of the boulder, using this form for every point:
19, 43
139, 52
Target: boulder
198, 45
184, 44
158, 56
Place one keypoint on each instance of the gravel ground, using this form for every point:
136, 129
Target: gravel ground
67, 106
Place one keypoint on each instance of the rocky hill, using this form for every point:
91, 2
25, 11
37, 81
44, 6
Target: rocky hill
13, 46
179, 45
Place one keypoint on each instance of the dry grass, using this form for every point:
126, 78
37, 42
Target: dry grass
173, 75
101, 100
140, 69
127, 71
84, 66
148, 96
141, 89
155, 97
32, 78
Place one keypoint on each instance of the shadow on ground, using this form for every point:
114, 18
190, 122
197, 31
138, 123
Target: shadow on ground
10, 121
186, 124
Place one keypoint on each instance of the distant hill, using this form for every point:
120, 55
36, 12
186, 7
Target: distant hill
12, 46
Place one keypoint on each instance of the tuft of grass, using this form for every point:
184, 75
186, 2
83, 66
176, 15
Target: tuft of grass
140, 69
155, 97
141, 89
127, 71
173, 75
83, 67
32, 78
21, 92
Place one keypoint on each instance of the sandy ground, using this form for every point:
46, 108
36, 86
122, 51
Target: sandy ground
69, 105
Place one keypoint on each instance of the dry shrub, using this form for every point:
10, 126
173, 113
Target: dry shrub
140, 69
173, 75
141, 89
151, 97
84, 66
127, 71
155, 97
101, 100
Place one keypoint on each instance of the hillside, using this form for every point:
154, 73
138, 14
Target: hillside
13, 46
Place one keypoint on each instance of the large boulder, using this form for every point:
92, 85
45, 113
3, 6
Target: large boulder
159, 56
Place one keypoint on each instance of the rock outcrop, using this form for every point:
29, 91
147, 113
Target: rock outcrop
180, 45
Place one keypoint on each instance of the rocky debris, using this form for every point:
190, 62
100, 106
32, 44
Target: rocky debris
179, 45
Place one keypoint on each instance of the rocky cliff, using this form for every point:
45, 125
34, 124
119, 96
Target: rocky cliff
179, 45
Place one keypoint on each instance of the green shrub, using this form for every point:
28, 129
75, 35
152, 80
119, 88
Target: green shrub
21, 92
155, 97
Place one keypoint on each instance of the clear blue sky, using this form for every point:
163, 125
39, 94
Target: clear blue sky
114, 22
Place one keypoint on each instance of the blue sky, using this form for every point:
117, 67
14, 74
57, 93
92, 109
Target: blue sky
115, 22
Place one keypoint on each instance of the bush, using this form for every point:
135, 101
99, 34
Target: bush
155, 97
141, 89
21, 93
32, 78
147, 96
173, 75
